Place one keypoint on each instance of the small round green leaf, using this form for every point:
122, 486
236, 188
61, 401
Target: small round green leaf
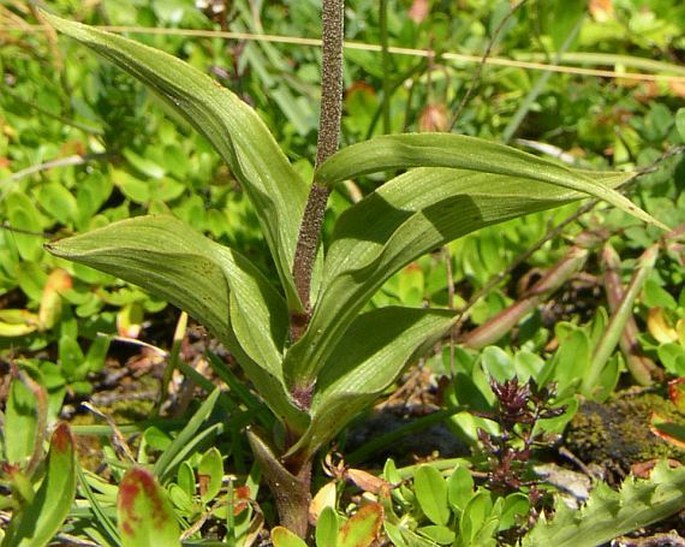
282, 537
431, 493
460, 487
327, 528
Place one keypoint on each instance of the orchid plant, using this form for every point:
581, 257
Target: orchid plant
309, 347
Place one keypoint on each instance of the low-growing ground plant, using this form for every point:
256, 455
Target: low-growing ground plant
312, 350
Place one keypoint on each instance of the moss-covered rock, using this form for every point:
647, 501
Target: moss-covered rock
616, 434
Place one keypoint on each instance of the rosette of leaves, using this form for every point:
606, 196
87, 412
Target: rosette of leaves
314, 355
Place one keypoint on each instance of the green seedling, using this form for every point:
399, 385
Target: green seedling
308, 347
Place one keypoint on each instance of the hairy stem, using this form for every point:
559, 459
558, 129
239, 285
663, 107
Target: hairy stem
327, 144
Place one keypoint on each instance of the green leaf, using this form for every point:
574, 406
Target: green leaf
362, 528
391, 152
327, 528
185, 478
144, 165
236, 131
145, 515
680, 123
442, 535
59, 202
210, 473
460, 487
497, 363
70, 357
609, 513
21, 418
368, 358
37, 523
405, 218
476, 516
97, 352
216, 285
431, 493
571, 361
100, 516
282, 537
187, 439
514, 510
23, 216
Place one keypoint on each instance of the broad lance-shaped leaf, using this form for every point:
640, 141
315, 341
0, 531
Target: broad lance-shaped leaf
405, 218
277, 192
216, 285
37, 523
391, 152
369, 357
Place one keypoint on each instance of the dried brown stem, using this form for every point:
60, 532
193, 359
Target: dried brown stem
504, 321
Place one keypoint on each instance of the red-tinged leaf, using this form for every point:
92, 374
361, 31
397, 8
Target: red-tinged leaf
146, 517
37, 523
241, 499
676, 392
368, 482
51, 299
363, 528
671, 432
325, 497
419, 11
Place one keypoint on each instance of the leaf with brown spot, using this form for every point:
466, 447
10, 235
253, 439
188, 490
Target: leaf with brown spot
145, 515
363, 528
368, 482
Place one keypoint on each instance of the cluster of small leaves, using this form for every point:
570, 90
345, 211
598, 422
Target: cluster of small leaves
519, 407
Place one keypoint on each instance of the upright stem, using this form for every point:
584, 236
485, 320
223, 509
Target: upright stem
327, 144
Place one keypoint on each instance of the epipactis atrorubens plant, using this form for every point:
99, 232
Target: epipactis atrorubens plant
308, 347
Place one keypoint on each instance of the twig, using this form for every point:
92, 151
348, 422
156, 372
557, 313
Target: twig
60, 162
412, 52
7, 226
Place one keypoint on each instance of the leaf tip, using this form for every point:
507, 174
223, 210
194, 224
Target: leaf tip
62, 440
